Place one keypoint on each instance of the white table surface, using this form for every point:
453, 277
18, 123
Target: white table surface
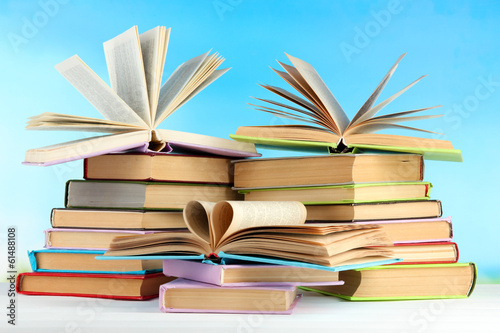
314, 313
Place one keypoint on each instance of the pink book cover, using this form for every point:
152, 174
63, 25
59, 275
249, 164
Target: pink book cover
213, 274
447, 219
181, 283
124, 232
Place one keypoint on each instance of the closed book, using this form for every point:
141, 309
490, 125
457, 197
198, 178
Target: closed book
327, 170
351, 212
88, 239
141, 195
116, 286
83, 261
342, 194
189, 296
116, 219
238, 273
404, 282
160, 167
426, 253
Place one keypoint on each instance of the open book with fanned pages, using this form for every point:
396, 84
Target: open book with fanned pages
134, 104
271, 232
325, 126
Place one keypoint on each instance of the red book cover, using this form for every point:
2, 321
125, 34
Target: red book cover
105, 286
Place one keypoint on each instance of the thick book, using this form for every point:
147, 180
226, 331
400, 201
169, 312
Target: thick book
134, 104
426, 253
160, 167
404, 282
342, 194
115, 286
83, 261
141, 195
189, 296
116, 219
239, 273
327, 170
325, 125
90, 239
263, 231
371, 211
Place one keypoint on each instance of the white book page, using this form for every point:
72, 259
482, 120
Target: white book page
97, 92
174, 84
321, 90
154, 44
126, 71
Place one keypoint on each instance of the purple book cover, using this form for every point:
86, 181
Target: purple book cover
181, 283
213, 274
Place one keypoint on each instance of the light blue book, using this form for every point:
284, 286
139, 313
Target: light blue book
83, 261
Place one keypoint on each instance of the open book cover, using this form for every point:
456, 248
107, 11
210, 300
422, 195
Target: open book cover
326, 127
262, 231
134, 104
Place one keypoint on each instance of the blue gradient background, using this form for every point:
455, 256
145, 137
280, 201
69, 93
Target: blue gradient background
351, 44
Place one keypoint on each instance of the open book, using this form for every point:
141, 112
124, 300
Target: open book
327, 126
135, 104
271, 232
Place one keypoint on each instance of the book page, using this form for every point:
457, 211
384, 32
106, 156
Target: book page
97, 92
196, 215
321, 90
373, 125
230, 216
360, 115
175, 83
126, 71
154, 44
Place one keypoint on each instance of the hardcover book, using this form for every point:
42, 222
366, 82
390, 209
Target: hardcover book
342, 194
135, 104
83, 261
160, 167
404, 282
189, 296
374, 211
141, 195
326, 126
116, 219
116, 286
90, 239
327, 170
240, 273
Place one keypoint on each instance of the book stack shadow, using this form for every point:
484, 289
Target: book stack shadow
370, 189
121, 195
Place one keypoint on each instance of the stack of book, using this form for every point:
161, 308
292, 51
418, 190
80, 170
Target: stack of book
133, 193
382, 188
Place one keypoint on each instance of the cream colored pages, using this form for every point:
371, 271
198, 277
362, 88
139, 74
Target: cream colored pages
174, 84
97, 92
197, 215
321, 90
229, 217
126, 71
154, 44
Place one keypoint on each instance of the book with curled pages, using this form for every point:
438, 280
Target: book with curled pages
271, 232
134, 104
326, 127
